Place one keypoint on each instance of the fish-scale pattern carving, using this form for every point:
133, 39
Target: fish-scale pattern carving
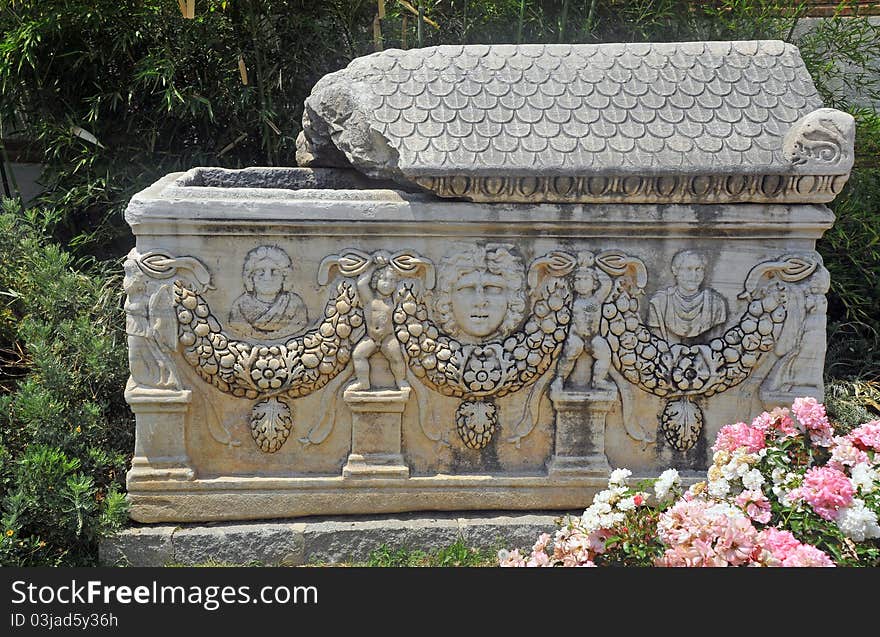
581, 109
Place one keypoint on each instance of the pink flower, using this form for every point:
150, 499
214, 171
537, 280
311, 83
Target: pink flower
845, 454
781, 548
811, 414
703, 533
807, 555
511, 559
867, 436
732, 437
779, 543
538, 559
541, 543
736, 541
777, 420
755, 504
826, 490
638, 500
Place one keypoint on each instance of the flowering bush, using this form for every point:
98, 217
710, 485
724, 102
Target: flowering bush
781, 491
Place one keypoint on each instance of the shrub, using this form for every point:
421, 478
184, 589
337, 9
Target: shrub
65, 432
782, 491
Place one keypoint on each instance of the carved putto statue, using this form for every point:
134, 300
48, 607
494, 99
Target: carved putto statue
376, 287
592, 287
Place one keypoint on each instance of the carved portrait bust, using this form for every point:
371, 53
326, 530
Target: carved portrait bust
268, 308
481, 291
686, 310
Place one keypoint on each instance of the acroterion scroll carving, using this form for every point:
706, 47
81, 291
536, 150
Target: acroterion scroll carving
821, 142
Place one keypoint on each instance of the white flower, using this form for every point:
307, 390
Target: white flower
719, 488
753, 480
724, 508
618, 477
782, 495
864, 477
729, 470
778, 476
665, 482
858, 521
626, 504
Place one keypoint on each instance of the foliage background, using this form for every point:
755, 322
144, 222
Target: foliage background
113, 94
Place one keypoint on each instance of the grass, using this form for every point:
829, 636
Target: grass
456, 554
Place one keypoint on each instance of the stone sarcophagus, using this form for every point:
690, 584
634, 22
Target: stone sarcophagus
498, 272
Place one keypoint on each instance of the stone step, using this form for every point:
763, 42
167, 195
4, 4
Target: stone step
320, 540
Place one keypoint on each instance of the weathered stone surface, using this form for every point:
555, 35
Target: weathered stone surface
666, 322
511, 123
310, 342
508, 531
354, 540
138, 546
265, 544
321, 540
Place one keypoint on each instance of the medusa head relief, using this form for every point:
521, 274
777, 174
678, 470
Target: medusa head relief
480, 292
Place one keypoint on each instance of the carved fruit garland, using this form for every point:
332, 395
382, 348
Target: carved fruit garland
494, 369
296, 368
681, 372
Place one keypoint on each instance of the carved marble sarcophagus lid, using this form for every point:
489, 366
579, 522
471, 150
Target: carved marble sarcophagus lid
500, 272
673, 122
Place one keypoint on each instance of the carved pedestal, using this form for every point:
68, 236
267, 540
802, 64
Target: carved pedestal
580, 432
376, 417
160, 441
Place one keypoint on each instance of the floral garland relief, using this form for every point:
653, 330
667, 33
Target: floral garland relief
484, 345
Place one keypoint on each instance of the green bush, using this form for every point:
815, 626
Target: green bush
159, 93
851, 250
65, 432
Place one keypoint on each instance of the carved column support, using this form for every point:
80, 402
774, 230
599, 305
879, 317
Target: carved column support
376, 420
160, 434
580, 432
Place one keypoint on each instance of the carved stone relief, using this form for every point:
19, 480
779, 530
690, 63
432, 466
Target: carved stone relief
797, 347
150, 322
268, 308
479, 372
678, 372
591, 286
378, 286
578, 306
277, 372
686, 309
481, 291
